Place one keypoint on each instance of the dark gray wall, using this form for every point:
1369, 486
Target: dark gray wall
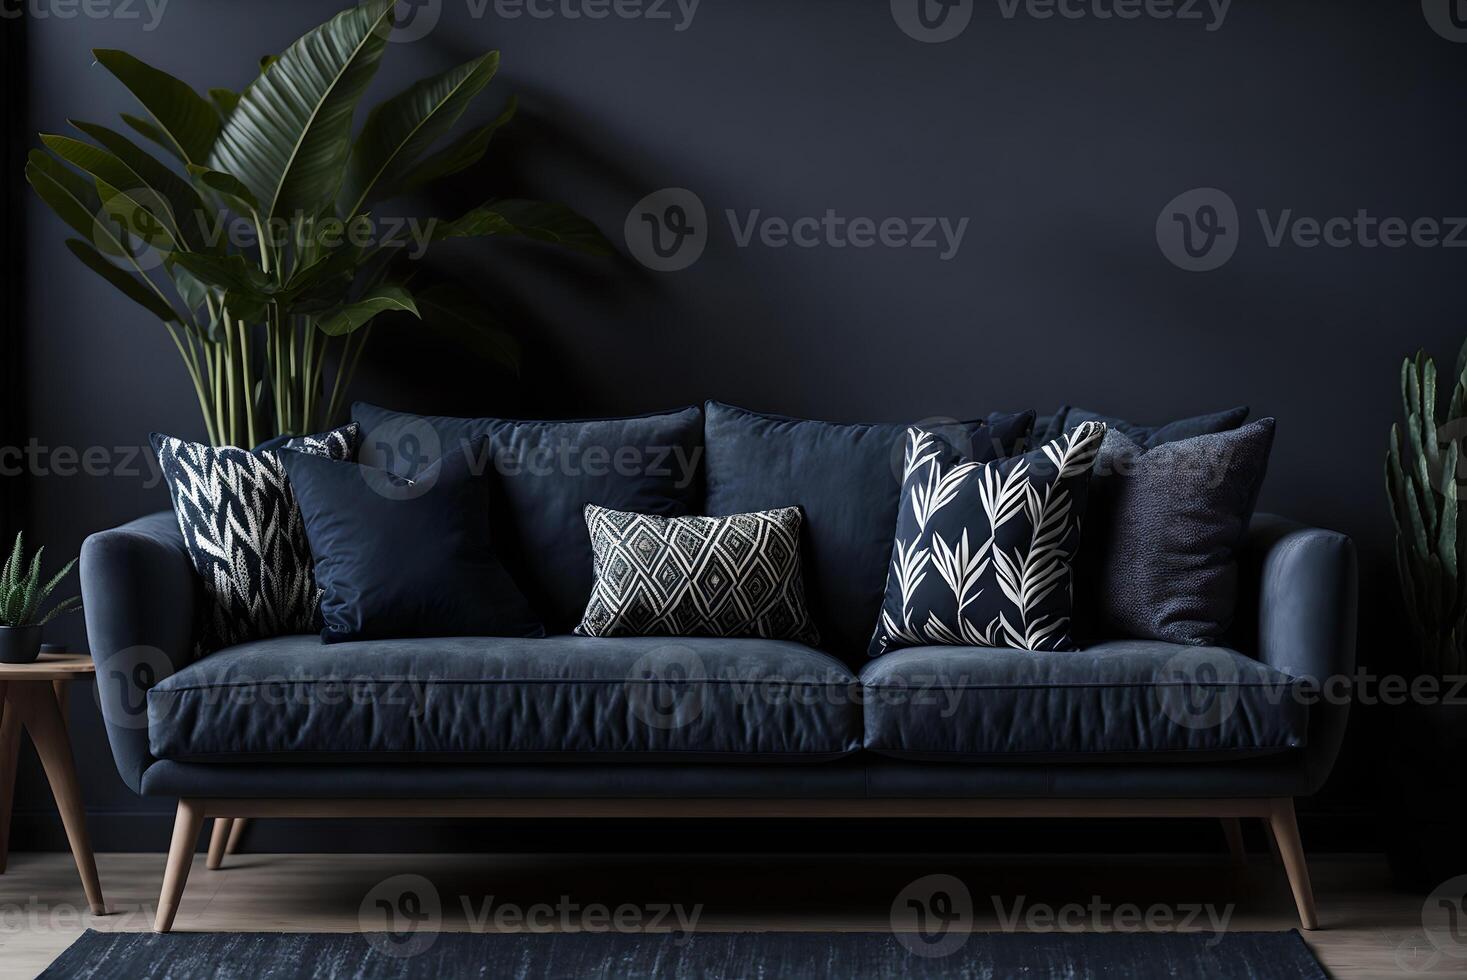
1060, 140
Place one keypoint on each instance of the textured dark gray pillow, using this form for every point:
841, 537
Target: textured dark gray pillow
1162, 528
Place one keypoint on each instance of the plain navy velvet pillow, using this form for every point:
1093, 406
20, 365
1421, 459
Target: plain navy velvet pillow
847, 479
543, 475
396, 558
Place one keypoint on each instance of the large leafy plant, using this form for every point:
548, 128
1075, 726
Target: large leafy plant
258, 318
1423, 470
22, 593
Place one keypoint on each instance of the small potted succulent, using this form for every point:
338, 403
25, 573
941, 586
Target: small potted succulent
21, 595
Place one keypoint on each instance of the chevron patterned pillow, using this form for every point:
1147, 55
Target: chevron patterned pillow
697, 576
243, 529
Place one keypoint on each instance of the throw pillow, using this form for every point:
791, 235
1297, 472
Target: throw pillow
984, 551
405, 558
1162, 531
243, 532
544, 473
697, 576
846, 479
1146, 436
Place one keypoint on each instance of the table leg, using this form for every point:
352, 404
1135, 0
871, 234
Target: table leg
62, 701
41, 716
9, 756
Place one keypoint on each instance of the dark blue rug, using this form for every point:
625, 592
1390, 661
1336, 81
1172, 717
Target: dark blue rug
673, 956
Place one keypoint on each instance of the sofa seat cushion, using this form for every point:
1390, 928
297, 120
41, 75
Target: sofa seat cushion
1129, 700
561, 698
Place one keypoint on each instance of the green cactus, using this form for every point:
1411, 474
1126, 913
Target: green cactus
1422, 480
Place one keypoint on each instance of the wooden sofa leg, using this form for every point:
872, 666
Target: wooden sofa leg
1286, 832
186, 829
236, 831
1233, 831
217, 841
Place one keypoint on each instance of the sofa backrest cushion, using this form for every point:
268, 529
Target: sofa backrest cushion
545, 473
847, 480
1050, 427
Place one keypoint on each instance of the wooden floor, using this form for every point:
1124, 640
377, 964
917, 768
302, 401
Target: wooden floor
1368, 929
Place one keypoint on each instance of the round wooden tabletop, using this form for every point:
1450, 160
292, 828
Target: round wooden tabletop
49, 667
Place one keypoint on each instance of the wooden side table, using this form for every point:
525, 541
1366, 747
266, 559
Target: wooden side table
34, 698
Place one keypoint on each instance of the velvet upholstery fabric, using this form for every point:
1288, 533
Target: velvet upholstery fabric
544, 473
1049, 427
1162, 527
396, 558
1134, 699
846, 479
637, 699
1297, 614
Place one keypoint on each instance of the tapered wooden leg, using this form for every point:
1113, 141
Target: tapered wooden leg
62, 701
41, 716
1286, 831
217, 840
9, 749
1233, 831
235, 832
186, 827
1273, 843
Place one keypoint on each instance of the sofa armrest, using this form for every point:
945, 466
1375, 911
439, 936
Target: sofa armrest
139, 593
1298, 591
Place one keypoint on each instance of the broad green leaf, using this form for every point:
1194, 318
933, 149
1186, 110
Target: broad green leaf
458, 156
153, 133
186, 118
224, 272
543, 222
57, 186
125, 195
401, 129
224, 101
380, 300
184, 201
128, 284
235, 193
191, 290
289, 138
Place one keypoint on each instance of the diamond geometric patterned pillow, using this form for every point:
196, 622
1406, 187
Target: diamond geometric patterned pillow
244, 532
984, 551
697, 576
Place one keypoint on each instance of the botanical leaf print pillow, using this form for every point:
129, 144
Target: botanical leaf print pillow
984, 551
243, 530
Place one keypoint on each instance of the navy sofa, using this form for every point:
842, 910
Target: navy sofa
575, 726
